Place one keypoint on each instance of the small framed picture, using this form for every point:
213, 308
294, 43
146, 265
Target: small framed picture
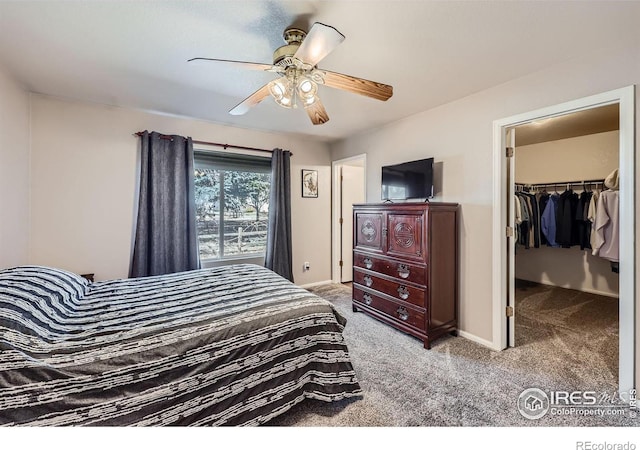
309, 183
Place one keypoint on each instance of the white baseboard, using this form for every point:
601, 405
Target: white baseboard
317, 283
478, 340
587, 290
595, 291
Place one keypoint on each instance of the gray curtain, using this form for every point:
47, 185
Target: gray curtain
166, 240
279, 254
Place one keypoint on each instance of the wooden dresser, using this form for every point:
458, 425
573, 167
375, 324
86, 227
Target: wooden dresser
405, 266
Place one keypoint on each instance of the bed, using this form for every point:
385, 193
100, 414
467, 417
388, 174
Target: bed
236, 345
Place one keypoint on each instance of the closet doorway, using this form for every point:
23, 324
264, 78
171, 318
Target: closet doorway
349, 184
566, 286
521, 272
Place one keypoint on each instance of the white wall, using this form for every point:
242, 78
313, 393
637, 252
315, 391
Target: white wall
84, 169
588, 157
459, 136
569, 268
14, 173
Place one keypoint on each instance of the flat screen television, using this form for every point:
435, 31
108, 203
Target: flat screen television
413, 179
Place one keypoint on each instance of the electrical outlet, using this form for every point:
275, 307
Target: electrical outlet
306, 266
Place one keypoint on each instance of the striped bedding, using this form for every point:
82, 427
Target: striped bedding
236, 345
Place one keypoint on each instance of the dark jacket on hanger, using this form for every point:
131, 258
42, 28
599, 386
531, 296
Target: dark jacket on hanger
543, 199
583, 224
549, 221
566, 225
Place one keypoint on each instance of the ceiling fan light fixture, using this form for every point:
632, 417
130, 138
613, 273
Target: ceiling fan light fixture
309, 101
306, 86
278, 88
285, 102
307, 90
298, 61
282, 92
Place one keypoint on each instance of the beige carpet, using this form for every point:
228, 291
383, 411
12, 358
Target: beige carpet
566, 340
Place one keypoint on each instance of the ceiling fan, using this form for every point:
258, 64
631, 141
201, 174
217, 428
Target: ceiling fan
296, 63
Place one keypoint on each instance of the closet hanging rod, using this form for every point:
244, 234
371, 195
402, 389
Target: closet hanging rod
558, 183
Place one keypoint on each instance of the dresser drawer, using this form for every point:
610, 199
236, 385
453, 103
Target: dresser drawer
393, 288
400, 270
400, 313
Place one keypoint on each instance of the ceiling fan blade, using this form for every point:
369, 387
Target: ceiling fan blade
251, 101
317, 113
246, 65
356, 85
320, 41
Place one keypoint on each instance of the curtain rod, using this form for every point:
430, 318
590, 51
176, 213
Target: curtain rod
562, 182
225, 146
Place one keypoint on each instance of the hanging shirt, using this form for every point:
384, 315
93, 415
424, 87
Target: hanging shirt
543, 199
534, 220
518, 218
591, 217
607, 226
566, 226
584, 225
517, 210
525, 226
548, 220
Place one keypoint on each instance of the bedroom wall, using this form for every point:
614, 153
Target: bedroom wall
460, 137
588, 157
14, 172
84, 169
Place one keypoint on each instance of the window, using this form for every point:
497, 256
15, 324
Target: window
232, 204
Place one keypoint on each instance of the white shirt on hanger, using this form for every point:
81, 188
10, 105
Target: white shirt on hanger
607, 226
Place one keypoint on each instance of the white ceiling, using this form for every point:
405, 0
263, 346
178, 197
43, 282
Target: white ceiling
134, 53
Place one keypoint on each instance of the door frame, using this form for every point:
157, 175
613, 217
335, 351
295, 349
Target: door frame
625, 98
335, 209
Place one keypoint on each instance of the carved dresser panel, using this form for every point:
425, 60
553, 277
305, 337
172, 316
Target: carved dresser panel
405, 266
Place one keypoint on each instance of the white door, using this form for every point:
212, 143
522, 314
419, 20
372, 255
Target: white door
351, 192
511, 241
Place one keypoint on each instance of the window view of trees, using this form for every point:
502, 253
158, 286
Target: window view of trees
233, 220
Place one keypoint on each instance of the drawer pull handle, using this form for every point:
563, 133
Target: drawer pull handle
368, 281
368, 263
403, 292
403, 270
367, 298
403, 314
